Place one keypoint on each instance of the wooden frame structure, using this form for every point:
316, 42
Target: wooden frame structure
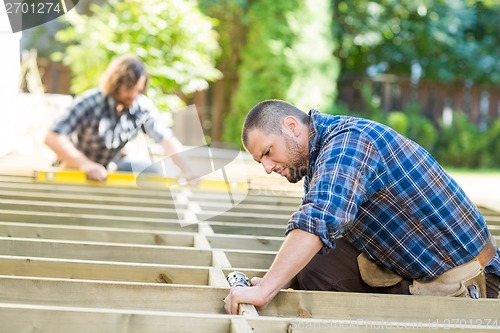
80, 258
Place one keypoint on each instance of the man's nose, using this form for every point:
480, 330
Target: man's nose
268, 165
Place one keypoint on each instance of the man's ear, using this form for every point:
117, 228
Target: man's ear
291, 125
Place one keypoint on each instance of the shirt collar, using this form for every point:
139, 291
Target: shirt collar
112, 106
313, 136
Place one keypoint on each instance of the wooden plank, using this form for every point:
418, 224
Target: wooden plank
113, 295
360, 325
102, 270
244, 217
244, 207
209, 300
255, 197
85, 190
396, 308
49, 319
244, 242
105, 251
218, 279
133, 222
240, 324
248, 259
89, 199
255, 229
96, 234
77, 208
128, 211
26, 317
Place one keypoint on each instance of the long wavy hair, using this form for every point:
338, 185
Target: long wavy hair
122, 71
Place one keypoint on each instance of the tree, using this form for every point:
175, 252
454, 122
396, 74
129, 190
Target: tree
174, 39
288, 55
449, 40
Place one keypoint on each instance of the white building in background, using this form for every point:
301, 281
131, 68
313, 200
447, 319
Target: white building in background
9, 82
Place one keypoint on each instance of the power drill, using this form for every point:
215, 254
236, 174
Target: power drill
238, 279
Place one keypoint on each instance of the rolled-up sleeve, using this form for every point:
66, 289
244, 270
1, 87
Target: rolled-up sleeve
346, 173
153, 126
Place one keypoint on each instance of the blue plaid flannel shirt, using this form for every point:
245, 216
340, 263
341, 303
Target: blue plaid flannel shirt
388, 197
100, 132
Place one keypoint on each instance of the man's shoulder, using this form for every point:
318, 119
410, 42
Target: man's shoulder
335, 124
94, 96
143, 105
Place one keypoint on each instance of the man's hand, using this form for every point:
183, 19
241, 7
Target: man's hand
297, 250
245, 295
94, 171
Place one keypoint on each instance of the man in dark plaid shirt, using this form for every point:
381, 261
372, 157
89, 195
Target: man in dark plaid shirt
370, 193
102, 120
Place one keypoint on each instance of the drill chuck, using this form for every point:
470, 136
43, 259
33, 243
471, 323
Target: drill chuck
238, 279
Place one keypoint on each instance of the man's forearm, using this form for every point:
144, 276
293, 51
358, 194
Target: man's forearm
297, 250
65, 150
173, 148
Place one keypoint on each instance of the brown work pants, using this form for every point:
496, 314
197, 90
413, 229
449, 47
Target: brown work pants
338, 270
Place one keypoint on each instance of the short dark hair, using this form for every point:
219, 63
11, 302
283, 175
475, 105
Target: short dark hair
267, 117
122, 71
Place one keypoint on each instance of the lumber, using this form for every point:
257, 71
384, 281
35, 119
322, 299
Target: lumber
153, 254
115, 295
96, 257
96, 234
132, 222
103, 270
26, 317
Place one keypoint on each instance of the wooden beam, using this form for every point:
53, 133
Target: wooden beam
290, 304
85, 190
244, 242
244, 217
48, 319
105, 251
394, 308
77, 208
96, 234
132, 222
103, 270
113, 295
89, 199
250, 259
255, 229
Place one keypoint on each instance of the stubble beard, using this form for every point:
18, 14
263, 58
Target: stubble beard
298, 157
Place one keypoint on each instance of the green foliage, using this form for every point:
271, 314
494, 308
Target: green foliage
490, 146
231, 23
174, 40
287, 55
458, 144
442, 36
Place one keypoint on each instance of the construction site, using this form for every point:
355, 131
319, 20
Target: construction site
150, 254
123, 256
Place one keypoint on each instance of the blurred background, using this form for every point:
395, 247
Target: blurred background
428, 68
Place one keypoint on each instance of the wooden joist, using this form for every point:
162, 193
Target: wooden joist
18, 317
86, 258
288, 304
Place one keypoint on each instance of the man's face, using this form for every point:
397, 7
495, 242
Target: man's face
126, 96
282, 154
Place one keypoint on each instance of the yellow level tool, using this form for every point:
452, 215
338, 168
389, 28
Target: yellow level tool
128, 179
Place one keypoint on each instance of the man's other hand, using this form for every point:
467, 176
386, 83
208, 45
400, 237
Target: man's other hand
95, 171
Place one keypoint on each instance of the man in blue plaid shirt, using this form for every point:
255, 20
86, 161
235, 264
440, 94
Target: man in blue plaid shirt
103, 120
379, 214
